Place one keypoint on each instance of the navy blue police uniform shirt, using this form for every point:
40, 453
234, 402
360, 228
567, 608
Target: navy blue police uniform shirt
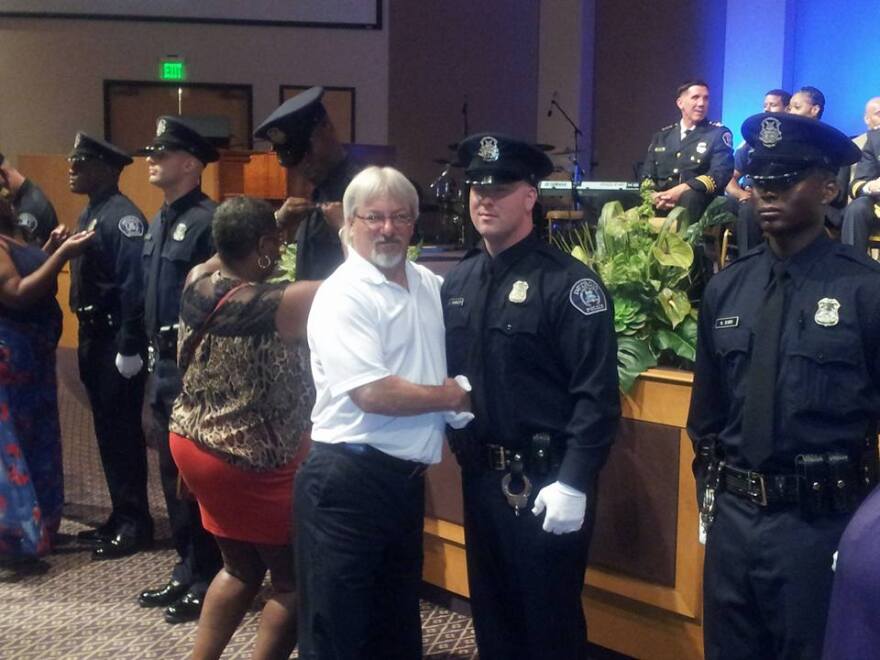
703, 160
36, 215
868, 167
108, 274
318, 251
533, 329
828, 384
179, 237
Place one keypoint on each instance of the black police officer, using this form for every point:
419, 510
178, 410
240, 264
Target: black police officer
862, 214
533, 330
36, 215
179, 238
304, 138
690, 161
785, 401
105, 295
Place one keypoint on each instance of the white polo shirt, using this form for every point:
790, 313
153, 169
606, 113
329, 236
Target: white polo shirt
362, 328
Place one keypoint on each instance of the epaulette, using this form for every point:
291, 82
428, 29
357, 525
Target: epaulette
848, 253
717, 124
667, 128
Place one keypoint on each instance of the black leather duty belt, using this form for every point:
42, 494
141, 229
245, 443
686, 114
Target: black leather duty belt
761, 489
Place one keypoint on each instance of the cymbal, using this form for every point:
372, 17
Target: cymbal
541, 146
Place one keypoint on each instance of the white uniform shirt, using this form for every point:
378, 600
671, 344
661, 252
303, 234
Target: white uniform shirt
362, 328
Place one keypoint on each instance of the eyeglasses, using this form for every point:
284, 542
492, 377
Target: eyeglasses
376, 220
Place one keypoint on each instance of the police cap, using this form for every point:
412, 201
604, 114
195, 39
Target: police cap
493, 158
289, 128
175, 134
85, 147
784, 146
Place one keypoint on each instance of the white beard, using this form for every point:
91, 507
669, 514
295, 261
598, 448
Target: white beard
385, 260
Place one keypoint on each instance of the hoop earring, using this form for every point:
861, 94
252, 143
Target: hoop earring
264, 265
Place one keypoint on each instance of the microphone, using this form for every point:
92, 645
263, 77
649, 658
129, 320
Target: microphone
552, 102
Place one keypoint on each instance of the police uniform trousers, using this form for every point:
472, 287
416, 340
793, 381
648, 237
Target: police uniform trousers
116, 404
525, 583
199, 556
859, 219
359, 516
767, 581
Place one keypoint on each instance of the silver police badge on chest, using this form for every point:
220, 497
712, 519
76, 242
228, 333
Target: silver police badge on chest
179, 232
702, 147
826, 314
518, 292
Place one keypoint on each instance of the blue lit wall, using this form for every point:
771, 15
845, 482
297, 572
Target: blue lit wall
837, 49
832, 45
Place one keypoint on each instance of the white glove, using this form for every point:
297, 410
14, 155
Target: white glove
129, 366
458, 420
565, 506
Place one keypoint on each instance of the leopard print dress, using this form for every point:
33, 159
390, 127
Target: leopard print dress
246, 394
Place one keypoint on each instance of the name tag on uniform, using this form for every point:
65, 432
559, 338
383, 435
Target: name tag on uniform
455, 302
727, 322
659, 148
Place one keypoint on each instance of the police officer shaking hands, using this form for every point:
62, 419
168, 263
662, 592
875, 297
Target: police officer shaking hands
105, 295
532, 328
785, 401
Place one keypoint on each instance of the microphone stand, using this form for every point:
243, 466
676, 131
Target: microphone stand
577, 174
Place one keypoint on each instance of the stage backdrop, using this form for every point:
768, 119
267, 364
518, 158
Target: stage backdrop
320, 13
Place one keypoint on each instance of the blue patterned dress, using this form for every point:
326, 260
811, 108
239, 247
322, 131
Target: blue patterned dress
31, 480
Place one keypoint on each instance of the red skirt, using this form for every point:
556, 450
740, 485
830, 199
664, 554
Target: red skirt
238, 504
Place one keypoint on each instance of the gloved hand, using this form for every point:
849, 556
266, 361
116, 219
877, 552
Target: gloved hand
129, 366
458, 420
565, 506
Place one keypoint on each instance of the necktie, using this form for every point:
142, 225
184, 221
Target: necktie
760, 400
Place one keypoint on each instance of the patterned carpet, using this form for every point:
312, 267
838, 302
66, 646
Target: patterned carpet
70, 607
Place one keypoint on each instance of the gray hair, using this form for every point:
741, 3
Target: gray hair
374, 182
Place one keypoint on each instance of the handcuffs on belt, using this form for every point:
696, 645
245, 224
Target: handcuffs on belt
521, 499
540, 455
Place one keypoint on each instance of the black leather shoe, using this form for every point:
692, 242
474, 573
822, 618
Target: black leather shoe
121, 545
186, 609
163, 596
102, 534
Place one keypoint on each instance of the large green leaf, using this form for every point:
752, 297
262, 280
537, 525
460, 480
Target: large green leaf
675, 304
671, 250
668, 340
681, 217
634, 357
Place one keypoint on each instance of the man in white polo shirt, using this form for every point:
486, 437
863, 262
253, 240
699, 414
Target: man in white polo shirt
379, 363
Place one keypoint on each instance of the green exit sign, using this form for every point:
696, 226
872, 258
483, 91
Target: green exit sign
172, 70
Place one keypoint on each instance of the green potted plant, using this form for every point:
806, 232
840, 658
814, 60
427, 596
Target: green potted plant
648, 266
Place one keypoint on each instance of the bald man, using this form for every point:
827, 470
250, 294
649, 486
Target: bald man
861, 216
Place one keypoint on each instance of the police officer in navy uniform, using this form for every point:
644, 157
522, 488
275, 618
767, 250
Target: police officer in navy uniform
179, 237
785, 401
36, 215
304, 138
690, 161
105, 294
862, 215
532, 328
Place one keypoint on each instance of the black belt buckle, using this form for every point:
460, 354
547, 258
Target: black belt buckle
757, 488
497, 457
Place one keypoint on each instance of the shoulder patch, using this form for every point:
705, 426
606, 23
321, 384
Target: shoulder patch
727, 138
587, 297
27, 221
131, 226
